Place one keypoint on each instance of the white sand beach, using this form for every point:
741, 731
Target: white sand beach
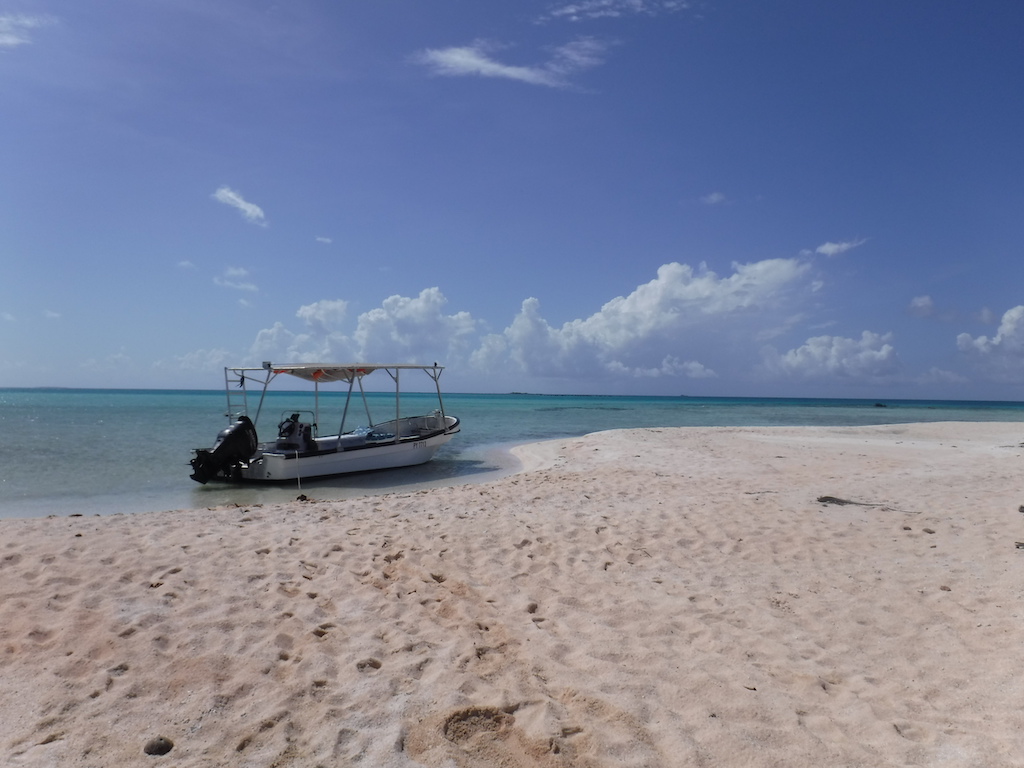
650, 597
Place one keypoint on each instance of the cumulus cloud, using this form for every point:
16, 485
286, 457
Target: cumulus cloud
869, 357
674, 326
250, 211
834, 249
671, 366
597, 9
15, 28
1007, 346
629, 332
922, 306
476, 59
401, 329
323, 316
278, 343
404, 327
234, 278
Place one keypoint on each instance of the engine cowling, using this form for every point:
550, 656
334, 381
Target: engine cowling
235, 444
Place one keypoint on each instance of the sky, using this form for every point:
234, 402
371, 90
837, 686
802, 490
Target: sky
712, 198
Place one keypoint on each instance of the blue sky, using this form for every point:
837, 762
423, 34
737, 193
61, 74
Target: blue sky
789, 198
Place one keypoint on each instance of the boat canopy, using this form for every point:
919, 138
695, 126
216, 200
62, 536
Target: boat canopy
328, 372
238, 379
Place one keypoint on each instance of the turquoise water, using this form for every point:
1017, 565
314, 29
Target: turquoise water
103, 451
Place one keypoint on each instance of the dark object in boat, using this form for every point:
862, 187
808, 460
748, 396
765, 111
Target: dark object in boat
236, 443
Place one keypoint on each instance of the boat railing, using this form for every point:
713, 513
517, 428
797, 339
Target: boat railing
414, 426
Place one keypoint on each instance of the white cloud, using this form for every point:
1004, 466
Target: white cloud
869, 357
323, 316
577, 56
1008, 343
234, 278
8, 317
834, 249
715, 198
671, 366
278, 343
475, 59
596, 9
922, 306
633, 333
250, 211
186, 264
324, 240
14, 29
49, 314
679, 325
402, 329
405, 327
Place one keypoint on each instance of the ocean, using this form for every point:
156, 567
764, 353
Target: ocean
77, 451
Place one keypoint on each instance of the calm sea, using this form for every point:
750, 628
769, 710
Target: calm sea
68, 451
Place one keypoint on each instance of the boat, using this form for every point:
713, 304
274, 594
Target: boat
299, 448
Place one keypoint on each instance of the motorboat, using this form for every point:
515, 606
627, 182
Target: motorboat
301, 447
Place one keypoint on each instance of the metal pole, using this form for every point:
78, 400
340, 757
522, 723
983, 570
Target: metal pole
366, 405
436, 376
227, 393
348, 398
398, 407
263, 394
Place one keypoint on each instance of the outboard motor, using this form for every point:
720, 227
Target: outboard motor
236, 443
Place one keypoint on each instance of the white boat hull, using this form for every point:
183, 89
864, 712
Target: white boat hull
277, 466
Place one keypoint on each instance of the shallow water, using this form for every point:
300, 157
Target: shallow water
67, 451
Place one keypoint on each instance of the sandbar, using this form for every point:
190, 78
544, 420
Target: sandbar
651, 597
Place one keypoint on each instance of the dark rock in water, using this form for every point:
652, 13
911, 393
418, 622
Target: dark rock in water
158, 746
881, 405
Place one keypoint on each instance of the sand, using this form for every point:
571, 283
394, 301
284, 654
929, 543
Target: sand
655, 597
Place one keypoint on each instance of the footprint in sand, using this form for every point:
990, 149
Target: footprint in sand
321, 630
467, 723
484, 737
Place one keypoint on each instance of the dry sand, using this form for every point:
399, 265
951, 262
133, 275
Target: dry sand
671, 597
